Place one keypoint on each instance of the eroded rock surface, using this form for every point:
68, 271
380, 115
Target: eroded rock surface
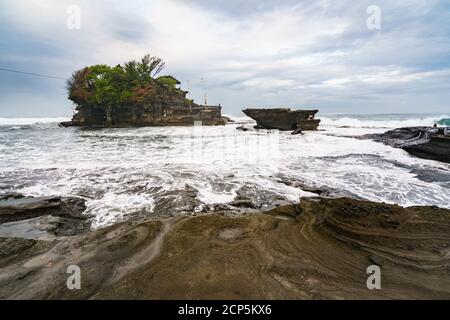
41, 217
252, 197
177, 201
318, 249
283, 118
422, 142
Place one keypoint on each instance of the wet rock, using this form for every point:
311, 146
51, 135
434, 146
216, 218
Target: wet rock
423, 142
15, 207
322, 191
242, 128
10, 195
177, 201
242, 203
227, 119
216, 207
41, 217
402, 136
438, 148
44, 228
376, 260
253, 197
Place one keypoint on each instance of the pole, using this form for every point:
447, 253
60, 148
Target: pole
204, 88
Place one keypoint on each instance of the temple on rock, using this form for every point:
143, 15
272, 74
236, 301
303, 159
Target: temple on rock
130, 95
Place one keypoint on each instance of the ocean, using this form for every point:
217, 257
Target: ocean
121, 171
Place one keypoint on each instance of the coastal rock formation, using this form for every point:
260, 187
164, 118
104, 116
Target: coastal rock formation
131, 95
252, 197
242, 128
283, 118
41, 217
15, 206
322, 191
177, 201
422, 142
318, 249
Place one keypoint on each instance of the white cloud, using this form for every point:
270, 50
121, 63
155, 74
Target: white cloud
283, 54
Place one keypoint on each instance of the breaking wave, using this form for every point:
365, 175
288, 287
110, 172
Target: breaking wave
126, 171
30, 121
444, 122
384, 121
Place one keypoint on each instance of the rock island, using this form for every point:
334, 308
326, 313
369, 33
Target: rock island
132, 95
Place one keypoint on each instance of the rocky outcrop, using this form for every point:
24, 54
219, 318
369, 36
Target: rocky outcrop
131, 95
322, 191
253, 197
177, 201
318, 249
438, 148
242, 128
423, 142
156, 113
41, 217
283, 118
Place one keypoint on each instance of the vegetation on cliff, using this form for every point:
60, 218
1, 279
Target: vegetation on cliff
132, 95
128, 94
131, 83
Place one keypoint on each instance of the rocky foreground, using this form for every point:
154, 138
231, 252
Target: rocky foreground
130, 95
318, 249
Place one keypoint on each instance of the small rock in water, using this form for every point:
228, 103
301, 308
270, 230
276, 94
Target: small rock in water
296, 131
242, 128
176, 201
252, 197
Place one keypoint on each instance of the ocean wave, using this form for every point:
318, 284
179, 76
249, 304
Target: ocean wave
30, 121
444, 122
240, 119
384, 122
126, 171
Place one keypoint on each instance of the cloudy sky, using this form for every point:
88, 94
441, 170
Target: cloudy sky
250, 53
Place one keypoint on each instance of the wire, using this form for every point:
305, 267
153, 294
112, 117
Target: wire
32, 74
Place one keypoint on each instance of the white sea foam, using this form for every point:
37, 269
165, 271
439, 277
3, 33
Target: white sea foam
381, 122
30, 121
119, 171
240, 119
113, 207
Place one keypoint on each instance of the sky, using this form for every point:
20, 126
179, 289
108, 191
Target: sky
300, 54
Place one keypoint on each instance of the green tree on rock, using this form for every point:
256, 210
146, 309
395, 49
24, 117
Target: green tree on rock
109, 88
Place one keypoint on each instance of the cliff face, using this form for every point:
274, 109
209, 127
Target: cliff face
158, 112
422, 142
130, 95
283, 118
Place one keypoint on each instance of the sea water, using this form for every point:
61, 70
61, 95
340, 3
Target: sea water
119, 170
